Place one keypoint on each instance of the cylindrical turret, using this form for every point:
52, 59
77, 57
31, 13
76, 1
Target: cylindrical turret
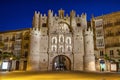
89, 58
33, 62
72, 19
61, 13
84, 20
40, 21
36, 20
50, 18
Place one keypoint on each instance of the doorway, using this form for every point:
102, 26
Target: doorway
102, 65
17, 65
24, 65
61, 63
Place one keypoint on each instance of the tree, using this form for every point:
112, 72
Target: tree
106, 57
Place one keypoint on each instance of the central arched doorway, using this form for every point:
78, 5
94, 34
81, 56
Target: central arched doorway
61, 63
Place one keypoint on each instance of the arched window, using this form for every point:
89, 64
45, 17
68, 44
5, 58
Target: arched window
69, 48
54, 47
61, 38
61, 49
54, 40
68, 40
63, 27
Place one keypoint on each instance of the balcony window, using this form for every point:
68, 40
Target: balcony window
19, 36
26, 54
13, 38
6, 39
0, 38
26, 46
117, 33
117, 22
101, 53
111, 53
108, 25
26, 38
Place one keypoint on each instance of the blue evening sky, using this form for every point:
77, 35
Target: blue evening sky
17, 14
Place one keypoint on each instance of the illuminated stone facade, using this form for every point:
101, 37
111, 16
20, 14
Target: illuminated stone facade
61, 43
55, 42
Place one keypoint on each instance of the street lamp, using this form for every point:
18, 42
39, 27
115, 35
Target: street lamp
10, 63
11, 58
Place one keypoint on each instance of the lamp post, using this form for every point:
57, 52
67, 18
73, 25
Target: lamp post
10, 63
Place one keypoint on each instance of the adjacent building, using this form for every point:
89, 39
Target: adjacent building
15, 43
107, 40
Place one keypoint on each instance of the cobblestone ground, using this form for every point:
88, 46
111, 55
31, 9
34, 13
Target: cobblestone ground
59, 76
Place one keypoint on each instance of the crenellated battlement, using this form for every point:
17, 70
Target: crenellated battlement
88, 31
35, 31
61, 34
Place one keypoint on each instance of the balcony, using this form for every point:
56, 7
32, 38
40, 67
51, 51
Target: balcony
117, 33
18, 36
6, 40
11, 48
99, 26
117, 23
0, 39
25, 47
108, 25
112, 45
5, 48
109, 35
13, 39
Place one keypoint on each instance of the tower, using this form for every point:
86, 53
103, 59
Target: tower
33, 62
89, 58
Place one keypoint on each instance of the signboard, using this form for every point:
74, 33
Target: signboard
5, 65
113, 67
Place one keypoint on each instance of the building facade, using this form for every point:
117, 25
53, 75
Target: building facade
55, 42
107, 40
15, 43
59, 42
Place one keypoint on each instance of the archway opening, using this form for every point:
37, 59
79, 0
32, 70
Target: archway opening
61, 63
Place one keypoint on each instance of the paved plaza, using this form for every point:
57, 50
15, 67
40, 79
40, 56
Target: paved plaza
66, 75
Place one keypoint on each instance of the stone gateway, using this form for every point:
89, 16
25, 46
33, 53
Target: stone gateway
61, 42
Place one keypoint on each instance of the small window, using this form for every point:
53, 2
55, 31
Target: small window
69, 48
26, 54
78, 24
101, 53
44, 25
111, 53
54, 48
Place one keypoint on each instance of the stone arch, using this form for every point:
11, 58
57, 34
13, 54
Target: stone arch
61, 62
66, 22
